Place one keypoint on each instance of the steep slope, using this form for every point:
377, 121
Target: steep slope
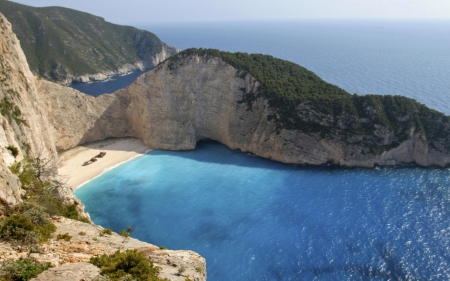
241, 101
67, 45
24, 128
26, 131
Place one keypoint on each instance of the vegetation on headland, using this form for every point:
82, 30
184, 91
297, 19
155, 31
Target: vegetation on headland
21, 270
28, 224
301, 100
58, 41
39, 178
128, 265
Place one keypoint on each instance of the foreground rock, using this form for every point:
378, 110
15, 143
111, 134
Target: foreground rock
80, 271
70, 257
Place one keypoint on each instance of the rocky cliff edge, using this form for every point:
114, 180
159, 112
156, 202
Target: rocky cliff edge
26, 130
201, 97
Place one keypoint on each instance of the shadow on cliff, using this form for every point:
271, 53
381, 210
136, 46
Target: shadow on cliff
113, 123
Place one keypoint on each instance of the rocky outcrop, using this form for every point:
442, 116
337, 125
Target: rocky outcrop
26, 130
70, 257
201, 97
77, 118
68, 46
80, 271
147, 62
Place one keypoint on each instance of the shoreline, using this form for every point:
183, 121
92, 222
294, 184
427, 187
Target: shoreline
118, 151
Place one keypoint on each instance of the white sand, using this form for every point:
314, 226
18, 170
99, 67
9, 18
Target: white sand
117, 151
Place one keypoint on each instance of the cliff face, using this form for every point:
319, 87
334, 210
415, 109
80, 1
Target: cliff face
147, 61
201, 97
74, 117
71, 46
24, 125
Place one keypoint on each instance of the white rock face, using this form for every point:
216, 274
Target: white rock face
23, 124
172, 107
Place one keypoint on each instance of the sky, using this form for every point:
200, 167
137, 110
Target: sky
148, 11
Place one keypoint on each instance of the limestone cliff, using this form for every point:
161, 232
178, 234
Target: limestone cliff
201, 97
26, 130
24, 125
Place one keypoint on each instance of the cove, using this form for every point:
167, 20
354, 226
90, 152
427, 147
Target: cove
255, 219
109, 86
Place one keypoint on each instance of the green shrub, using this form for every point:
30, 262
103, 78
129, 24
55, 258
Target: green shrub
131, 262
40, 183
82, 233
198, 269
162, 247
64, 236
36, 213
29, 226
106, 231
126, 233
14, 150
21, 230
21, 270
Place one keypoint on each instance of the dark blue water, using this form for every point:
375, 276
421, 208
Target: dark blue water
254, 219
109, 86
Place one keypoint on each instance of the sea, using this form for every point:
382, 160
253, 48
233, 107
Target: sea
108, 86
255, 219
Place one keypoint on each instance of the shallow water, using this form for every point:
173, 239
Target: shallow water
254, 219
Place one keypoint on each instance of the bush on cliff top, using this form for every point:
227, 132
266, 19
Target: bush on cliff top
27, 224
40, 181
21, 270
130, 262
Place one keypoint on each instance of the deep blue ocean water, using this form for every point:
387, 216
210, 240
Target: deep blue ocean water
109, 86
254, 219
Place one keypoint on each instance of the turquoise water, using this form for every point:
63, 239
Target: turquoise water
254, 219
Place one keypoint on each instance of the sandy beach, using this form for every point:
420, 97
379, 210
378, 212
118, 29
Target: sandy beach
117, 151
